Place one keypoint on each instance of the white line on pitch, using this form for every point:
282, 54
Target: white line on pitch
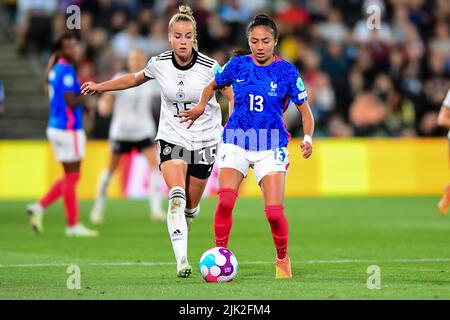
156, 264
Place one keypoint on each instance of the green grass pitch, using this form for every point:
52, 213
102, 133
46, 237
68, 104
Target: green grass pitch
332, 243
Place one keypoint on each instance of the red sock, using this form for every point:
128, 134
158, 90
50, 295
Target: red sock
53, 194
223, 217
280, 228
70, 198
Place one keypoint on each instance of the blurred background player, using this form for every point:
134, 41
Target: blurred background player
132, 127
444, 121
263, 84
66, 135
186, 156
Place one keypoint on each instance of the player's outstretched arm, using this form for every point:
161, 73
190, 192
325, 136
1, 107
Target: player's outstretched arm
195, 112
308, 128
126, 81
444, 117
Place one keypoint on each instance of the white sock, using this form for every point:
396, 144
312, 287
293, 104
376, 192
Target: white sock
155, 195
39, 208
176, 222
192, 213
102, 189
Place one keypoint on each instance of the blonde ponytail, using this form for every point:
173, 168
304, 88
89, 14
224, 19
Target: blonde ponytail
186, 10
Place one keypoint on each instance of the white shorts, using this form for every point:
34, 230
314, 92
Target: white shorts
68, 145
262, 162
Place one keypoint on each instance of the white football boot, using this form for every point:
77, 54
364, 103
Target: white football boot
35, 213
81, 231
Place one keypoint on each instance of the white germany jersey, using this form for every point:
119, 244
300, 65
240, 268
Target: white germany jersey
446, 103
181, 88
132, 118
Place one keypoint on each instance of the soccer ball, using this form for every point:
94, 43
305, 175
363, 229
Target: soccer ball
218, 265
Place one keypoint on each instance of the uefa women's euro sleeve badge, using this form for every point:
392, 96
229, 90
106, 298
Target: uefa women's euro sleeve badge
302, 95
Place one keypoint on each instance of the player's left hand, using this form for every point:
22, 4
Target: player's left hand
306, 149
89, 87
191, 114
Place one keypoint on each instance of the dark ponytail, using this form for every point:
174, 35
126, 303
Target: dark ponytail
259, 20
263, 20
241, 52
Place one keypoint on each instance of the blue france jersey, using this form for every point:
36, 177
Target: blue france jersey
261, 95
63, 79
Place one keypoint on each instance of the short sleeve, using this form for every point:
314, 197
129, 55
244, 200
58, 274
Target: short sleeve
446, 101
68, 81
215, 69
225, 76
297, 90
149, 70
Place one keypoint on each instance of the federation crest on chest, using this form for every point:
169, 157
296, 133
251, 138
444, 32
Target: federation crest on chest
180, 95
273, 89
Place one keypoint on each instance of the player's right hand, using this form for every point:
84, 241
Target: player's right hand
89, 88
306, 148
192, 114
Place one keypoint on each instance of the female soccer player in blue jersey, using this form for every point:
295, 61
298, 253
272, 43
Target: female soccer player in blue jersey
255, 135
66, 135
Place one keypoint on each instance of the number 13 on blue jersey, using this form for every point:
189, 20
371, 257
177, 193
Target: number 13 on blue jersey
256, 103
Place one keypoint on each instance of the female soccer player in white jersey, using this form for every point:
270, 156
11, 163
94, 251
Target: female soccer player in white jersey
186, 156
66, 135
255, 135
132, 126
444, 121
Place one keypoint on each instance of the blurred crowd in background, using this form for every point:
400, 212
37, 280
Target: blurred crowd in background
361, 81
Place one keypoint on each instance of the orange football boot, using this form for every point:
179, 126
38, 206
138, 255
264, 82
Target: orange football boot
283, 268
445, 201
